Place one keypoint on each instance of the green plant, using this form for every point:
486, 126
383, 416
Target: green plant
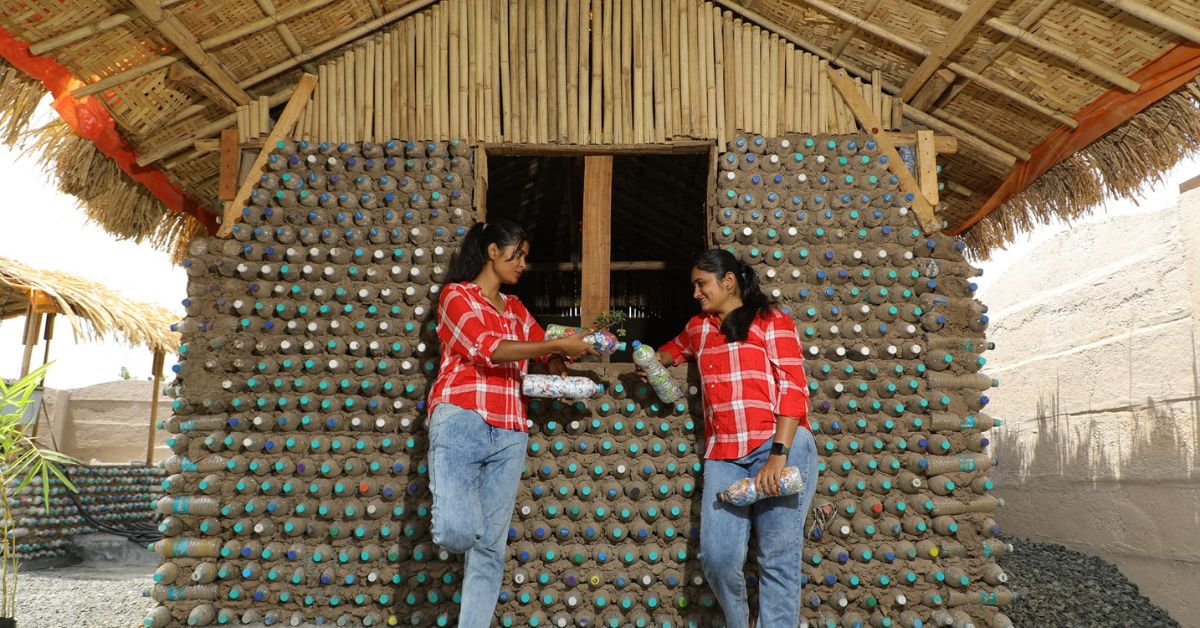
124, 374
22, 460
612, 320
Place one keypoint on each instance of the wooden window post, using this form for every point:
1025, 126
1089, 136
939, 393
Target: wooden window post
597, 235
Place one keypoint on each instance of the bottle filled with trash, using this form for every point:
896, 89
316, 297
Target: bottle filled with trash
558, 387
664, 385
743, 492
603, 341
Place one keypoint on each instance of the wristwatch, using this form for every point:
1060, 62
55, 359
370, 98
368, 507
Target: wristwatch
779, 449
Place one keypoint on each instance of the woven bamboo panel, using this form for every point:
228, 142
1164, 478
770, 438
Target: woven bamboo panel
123, 48
321, 25
147, 103
35, 22
251, 53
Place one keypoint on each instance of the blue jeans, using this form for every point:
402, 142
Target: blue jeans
779, 525
474, 472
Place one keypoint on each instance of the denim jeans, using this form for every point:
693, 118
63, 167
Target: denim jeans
474, 472
779, 525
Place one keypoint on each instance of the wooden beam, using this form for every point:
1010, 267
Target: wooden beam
282, 129
1047, 46
213, 145
181, 72
33, 327
927, 166
262, 24
943, 144
848, 32
231, 158
681, 147
928, 95
178, 34
156, 369
1028, 21
614, 266
984, 148
870, 124
481, 183
597, 236
83, 32
285, 34
337, 42
208, 130
1153, 16
953, 39
982, 133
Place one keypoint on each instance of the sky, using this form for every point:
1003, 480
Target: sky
44, 229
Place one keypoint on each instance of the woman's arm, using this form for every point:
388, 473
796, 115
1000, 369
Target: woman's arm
571, 346
771, 475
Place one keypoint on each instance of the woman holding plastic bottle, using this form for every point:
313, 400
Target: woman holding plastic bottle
755, 424
477, 431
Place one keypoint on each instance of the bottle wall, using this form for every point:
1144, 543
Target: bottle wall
299, 485
116, 495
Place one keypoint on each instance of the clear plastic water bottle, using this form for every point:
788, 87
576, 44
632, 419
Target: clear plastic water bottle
603, 341
556, 387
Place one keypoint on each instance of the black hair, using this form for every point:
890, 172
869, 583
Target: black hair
472, 253
754, 302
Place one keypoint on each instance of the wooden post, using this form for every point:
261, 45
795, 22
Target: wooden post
927, 166
156, 369
597, 235
854, 100
33, 327
287, 119
481, 183
47, 336
227, 183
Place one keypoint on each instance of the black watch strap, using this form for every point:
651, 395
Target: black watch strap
779, 449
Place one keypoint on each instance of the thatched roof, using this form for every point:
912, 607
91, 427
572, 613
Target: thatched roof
1026, 86
95, 312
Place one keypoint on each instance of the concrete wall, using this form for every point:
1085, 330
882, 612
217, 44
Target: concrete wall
1096, 336
107, 422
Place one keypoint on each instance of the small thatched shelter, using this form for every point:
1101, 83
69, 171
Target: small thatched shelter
1055, 105
94, 311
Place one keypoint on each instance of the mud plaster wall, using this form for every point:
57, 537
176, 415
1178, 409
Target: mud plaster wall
265, 516
107, 422
1097, 361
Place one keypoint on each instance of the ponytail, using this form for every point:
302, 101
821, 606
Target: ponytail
472, 253
720, 262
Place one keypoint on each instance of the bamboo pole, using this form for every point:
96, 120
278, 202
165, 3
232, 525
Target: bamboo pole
491, 83
639, 68
701, 69
626, 84
506, 90
464, 70
671, 64
595, 132
441, 80
572, 68
607, 39
753, 68
687, 120
373, 103
552, 30
563, 72
737, 92
787, 59
517, 56
778, 82
453, 78
585, 70
535, 101
323, 84
711, 28
728, 49
718, 33
660, 83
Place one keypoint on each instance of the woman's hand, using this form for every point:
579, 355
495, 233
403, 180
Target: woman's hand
556, 366
573, 346
770, 476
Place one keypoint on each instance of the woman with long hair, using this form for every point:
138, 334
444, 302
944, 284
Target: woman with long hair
755, 424
477, 431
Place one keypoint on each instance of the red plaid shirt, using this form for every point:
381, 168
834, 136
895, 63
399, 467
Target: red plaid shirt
745, 384
470, 328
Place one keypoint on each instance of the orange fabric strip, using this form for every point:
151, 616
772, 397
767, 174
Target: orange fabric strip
89, 118
1158, 78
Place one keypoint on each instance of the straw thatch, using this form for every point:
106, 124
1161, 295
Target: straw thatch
95, 312
1018, 74
1121, 164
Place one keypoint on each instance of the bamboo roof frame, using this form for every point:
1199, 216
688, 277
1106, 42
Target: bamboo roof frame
1001, 79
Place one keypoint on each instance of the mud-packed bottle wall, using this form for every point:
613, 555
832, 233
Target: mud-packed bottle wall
299, 485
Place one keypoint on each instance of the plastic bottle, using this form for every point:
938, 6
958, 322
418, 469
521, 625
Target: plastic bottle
557, 387
603, 341
744, 492
665, 386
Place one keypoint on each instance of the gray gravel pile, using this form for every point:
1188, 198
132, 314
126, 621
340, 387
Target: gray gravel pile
1068, 589
92, 596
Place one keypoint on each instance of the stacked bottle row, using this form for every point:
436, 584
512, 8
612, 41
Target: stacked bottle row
299, 490
119, 495
900, 532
